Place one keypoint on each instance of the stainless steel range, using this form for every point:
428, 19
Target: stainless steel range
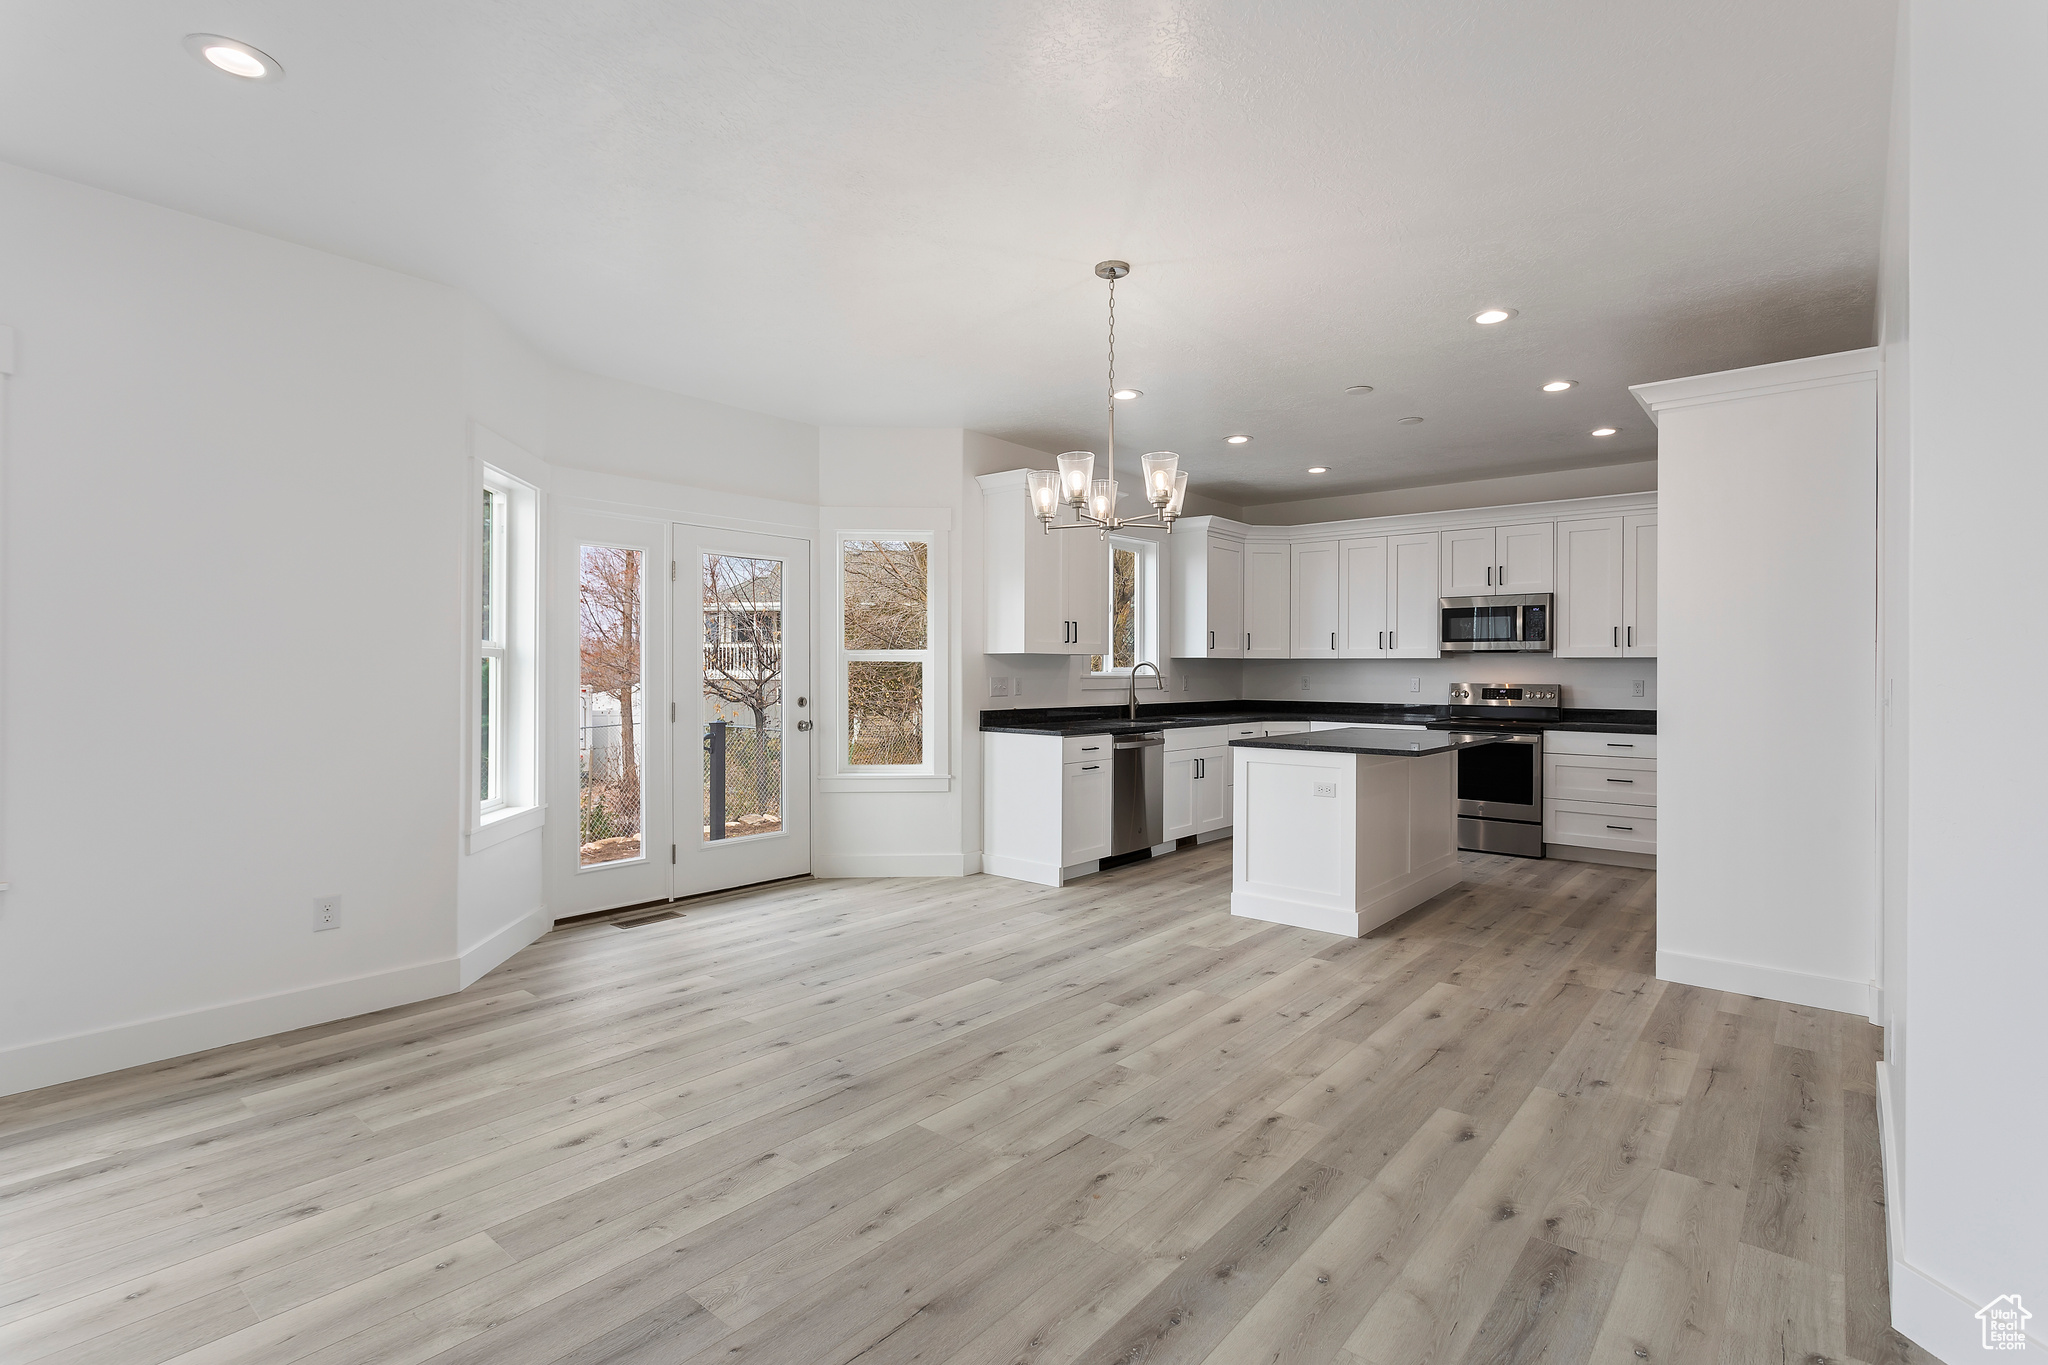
1500, 786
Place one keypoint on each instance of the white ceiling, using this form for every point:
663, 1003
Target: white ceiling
888, 213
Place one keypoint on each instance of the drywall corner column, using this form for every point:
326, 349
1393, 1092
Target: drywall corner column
1767, 568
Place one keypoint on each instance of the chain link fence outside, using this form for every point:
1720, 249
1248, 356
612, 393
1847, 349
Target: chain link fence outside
610, 815
749, 800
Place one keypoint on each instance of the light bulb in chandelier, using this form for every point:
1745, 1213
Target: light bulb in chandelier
1077, 472
1102, 501
1044, 485
1160, 468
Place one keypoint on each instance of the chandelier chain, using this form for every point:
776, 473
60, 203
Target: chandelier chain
1112, 380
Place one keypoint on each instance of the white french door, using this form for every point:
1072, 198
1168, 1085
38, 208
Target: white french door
610, 789
743, 708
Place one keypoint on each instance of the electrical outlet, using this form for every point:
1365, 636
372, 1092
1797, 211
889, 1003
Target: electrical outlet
1326, 789
1185, 682
1304, 682
1635, 687
999, 687
326, 913
1415, 684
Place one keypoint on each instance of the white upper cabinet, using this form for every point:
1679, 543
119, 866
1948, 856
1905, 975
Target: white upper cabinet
1589, 599
1413, 617
1362, 598
1047, 593
1084, 590
1469, 563
1388, 597
1267, 567
1607, 588
1639, 586
1315, 600
1527, 560
1493, 559
1208, 591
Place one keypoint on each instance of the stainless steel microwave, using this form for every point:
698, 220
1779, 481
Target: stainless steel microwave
1511, 622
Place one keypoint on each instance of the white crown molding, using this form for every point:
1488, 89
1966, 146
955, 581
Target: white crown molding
1813, 372
1508, 514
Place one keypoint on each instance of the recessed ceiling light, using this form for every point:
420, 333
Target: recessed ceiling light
1318, 469
1236, 440
1409, 421
235, 58
1560, 385
1359, 388
1128, 393
1605, 431
1493, 315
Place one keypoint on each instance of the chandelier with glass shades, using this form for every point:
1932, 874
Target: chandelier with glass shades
1074, 483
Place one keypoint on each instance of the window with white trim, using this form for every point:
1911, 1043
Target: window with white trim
887, 664
504, 716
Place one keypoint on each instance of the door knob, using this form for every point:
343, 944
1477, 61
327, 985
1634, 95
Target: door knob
803, 725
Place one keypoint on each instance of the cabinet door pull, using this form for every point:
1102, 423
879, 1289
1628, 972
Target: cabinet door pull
1631, 637
1198, 769
1615, 744
1390, 639
1247, 640
1625, 781
1617, 637
1626, 829
1333, 642
1091, 767
1489, 575
1502, 577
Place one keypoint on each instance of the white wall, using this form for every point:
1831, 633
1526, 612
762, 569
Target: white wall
1965, 421
237, 516
1596, 683
1635, 477
232, 616
1767, 589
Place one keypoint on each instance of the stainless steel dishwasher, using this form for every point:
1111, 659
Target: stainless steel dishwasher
1137, 814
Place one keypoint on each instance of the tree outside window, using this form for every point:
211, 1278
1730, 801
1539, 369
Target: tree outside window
886, 644
1126, 611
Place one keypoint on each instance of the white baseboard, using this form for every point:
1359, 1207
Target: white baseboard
1397, 898
895, 864
1769, 983
495, 948
1611, 857
1939, 1319
32, 1066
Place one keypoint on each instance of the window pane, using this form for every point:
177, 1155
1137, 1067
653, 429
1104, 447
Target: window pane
884, 712
886, 595
489, 732
742, 603
610, 628
1123, 599
490, 626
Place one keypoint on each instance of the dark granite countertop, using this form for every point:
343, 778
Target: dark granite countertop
1110, 720
1362, 740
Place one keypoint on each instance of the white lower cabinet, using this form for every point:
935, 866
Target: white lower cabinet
1197, 798
1600, 791
1046, 805
1084, 812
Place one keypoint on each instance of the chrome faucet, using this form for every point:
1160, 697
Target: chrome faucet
1156, 674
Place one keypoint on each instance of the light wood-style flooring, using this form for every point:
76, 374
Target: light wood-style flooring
975, 1122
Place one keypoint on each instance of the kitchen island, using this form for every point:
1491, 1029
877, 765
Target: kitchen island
1344, 830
